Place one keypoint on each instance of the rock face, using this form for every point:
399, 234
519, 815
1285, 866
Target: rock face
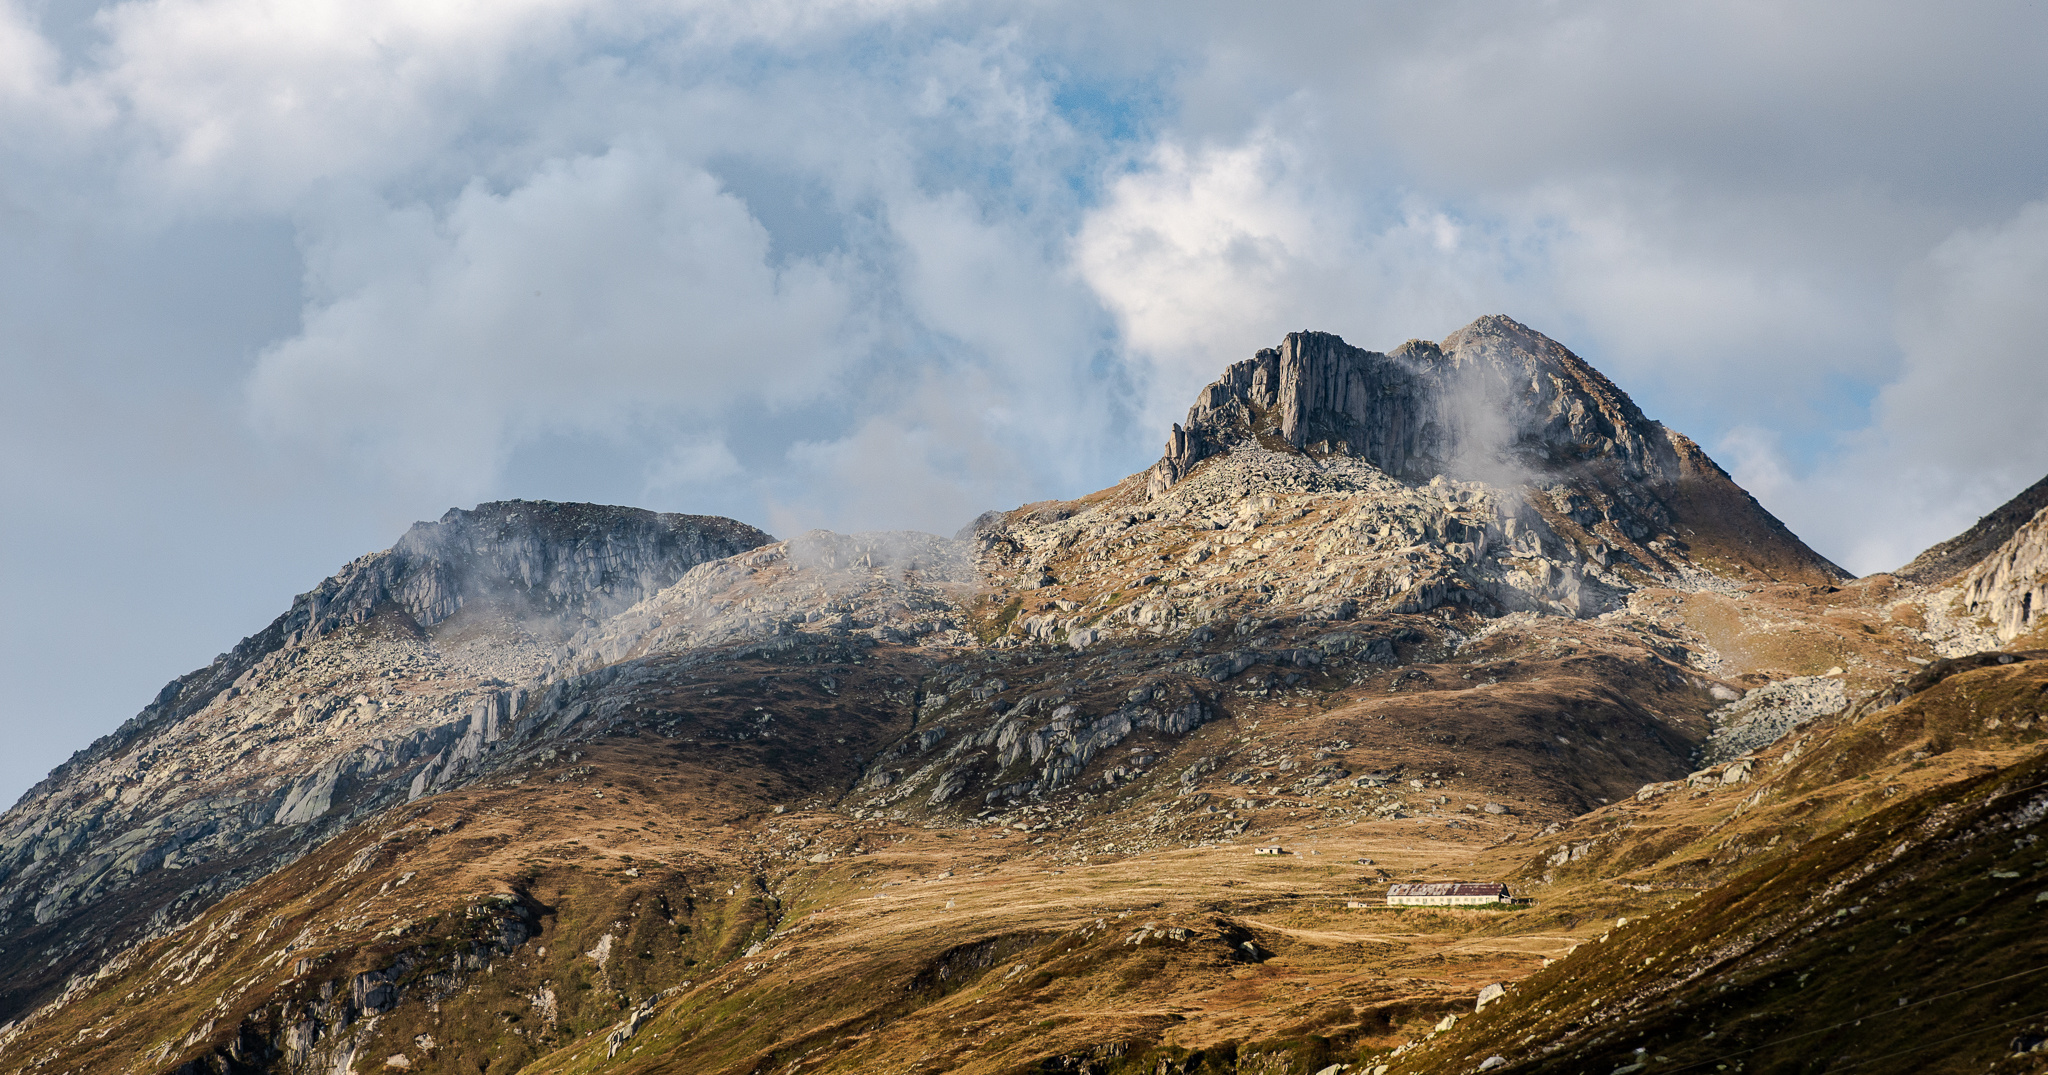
1504, 406
389, 680
553, 567
1765, 714
2009, 587
576, 563
1494, 401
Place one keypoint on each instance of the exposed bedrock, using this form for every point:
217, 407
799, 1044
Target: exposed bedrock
2009, 587
1495, 401
580, 561
1499, 403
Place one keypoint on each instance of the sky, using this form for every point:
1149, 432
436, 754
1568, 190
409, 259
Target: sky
277, 280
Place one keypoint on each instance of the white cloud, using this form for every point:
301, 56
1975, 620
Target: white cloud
250, 101
1976, 352
27, 61
1207, 254
932, 462
1204, 247
1000, 290
1955, 433
605, 289
695, 462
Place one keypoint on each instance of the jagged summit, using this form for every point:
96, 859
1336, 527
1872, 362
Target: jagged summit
1495, 400
583, 561
1498, 403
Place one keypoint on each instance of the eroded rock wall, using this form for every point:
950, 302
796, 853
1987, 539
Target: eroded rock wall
1495, 400
2009, 587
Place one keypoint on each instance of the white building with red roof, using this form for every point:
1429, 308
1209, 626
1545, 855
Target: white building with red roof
1448, 894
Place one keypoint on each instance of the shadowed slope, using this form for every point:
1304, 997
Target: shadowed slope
1872, 896
1943, 562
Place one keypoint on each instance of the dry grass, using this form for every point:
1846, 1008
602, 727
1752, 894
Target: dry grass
1110, 933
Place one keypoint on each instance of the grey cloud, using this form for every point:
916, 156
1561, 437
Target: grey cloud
602, 288
1976, 351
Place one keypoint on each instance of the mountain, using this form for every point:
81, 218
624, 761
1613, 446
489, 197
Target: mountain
1983, 588
1498, 402
1844, 901
384, 682
554, 787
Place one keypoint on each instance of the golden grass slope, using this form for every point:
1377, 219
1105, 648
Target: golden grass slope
1871, 899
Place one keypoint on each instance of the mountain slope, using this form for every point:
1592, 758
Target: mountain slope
1870, 902
383, 682
980, 804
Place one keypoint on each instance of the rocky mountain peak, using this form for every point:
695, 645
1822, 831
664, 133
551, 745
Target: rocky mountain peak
1503, 405
392, 678
1495, 401
579, 562
548, 567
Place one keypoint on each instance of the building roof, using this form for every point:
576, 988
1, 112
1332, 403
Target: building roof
1449, 888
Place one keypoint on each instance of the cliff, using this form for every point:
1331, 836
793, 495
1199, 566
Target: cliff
1498, 403
1496, 400
2009, 586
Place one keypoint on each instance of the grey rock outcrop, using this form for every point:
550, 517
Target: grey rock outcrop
1494, 401
2009, 587
1949, 559
1763, 716
573, 562
1502, 405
